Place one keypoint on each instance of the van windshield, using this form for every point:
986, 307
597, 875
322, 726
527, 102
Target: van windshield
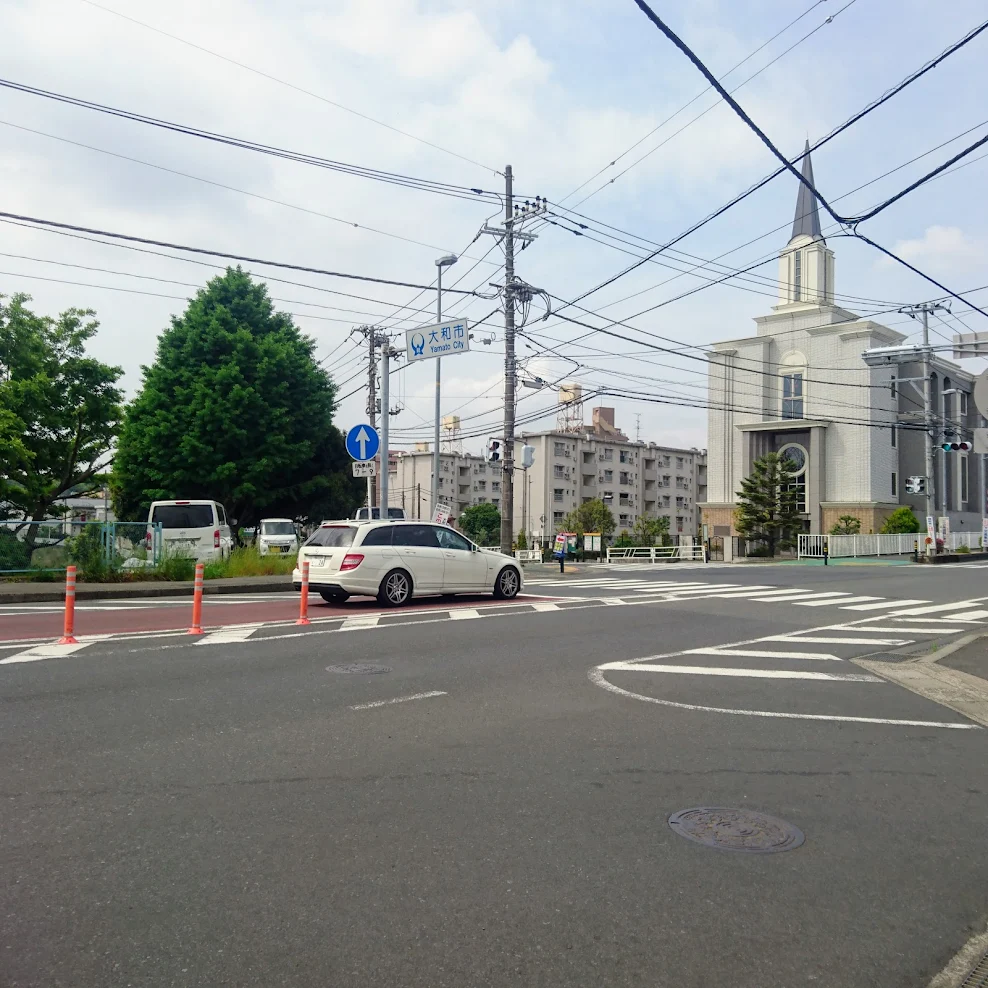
183, 515
277, 528
330, 536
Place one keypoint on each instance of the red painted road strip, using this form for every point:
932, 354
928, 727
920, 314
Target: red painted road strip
48, 624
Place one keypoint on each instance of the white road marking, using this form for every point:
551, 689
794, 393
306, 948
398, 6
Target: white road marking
464, 613
754, 654
849, 677
785, 598
839, 603
883, 604
229, 633
912, 630
364, 621
972, 616
545, 605
596, 676
398, 699
937, 608
721, 589
51, 651
797, 637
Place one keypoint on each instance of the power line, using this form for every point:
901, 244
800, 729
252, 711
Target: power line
289, 85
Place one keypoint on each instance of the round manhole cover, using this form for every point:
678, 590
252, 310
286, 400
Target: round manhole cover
359, 669
736, 830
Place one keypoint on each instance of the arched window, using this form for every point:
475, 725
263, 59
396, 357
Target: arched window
797, 458
792, 370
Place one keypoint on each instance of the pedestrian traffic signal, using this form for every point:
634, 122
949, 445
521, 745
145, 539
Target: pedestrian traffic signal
956, 447
494, 451
916, 485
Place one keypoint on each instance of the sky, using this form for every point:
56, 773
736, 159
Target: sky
585, 99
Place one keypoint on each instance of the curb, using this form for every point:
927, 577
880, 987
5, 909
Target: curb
131, 590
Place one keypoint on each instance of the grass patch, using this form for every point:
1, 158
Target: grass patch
249, 562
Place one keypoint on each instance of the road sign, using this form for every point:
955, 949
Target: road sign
931, 532
363, 442
441, 340
364, 468
981, 393
981, 440
591, 541
441, 515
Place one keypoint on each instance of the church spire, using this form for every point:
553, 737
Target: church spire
807, 221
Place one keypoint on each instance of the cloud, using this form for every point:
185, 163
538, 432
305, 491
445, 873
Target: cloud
943, 249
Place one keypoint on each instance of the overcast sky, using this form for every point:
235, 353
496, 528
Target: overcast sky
559, 90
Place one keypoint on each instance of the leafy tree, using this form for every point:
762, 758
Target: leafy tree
591, 516
522, 541
647, 530
234, 408
901, 521
482, 522
768, 504
59, 409
847, 525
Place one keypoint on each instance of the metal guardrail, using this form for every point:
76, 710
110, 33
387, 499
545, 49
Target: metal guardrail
528, 555
49, 546
657, 553
849, 546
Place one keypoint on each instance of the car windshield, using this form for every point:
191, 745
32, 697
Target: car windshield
329, 536
183, 515
277, 528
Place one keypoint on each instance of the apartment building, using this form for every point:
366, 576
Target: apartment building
631, 478
464, 479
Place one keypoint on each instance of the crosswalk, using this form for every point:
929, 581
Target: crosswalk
790, 677
966, 610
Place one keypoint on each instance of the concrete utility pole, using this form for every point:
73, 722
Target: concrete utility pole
385, 421
443, 262
507, 477
368, 331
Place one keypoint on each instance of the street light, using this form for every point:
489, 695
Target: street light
446, 261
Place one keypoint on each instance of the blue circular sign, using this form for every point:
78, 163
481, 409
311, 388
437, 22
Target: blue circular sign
363, 442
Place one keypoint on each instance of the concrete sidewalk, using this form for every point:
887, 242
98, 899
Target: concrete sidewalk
39, 593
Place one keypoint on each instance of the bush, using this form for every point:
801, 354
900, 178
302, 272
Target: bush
963, 549
902, 521
14, 554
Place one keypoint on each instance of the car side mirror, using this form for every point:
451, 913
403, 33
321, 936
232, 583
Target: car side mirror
473, 548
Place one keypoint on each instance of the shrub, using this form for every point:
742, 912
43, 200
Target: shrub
901, 521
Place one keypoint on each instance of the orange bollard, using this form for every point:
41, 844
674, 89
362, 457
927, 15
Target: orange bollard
303, 603
68, 631
196, 628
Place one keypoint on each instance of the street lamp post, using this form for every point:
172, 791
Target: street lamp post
443, 262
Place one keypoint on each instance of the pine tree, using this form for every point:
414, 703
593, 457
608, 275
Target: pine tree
768, 504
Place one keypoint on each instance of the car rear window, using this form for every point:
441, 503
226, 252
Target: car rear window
378, 536
421, 535
183, 515
332, 536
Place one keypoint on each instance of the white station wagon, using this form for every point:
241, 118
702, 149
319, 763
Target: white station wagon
397, 560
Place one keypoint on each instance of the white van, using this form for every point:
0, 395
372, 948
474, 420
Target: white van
277, 535
198, 529
394, 514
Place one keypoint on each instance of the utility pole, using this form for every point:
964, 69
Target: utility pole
368, 331
507, 477
386, 354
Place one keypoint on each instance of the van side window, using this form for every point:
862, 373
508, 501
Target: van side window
221, 512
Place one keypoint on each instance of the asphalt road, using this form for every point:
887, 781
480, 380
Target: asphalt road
245, 814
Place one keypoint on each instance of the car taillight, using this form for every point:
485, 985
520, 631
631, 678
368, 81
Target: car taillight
147, 542
216, 539
351, 561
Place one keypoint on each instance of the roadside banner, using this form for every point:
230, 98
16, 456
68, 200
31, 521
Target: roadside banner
441, 515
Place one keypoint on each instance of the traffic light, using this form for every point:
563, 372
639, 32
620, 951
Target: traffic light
916, 485
956, 447
527, 456
494, 451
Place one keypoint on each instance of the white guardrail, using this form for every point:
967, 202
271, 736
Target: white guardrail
845, 546
657, 554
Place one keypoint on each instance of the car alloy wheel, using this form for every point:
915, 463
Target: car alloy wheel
508, 584
396, 588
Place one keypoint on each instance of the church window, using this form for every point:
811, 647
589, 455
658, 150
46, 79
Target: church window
797, 276
792, 370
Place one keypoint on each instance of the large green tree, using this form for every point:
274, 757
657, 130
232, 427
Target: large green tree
647, 531
591, 516
236, 408
768, 504
482, 523
59, 408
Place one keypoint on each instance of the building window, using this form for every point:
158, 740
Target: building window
895, 485
797, 458
481, 500
965, 479
608, 476
792, 396
623, 520
608, 454
481, 485
495, 486
557, 470
962, 402
557, 517
797, 275
679, 463
893, 431
557, 494
496, 502
559, 449
893, 386
623, 477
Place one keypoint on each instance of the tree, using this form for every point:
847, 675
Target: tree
236, 408
901, 521
591, 516
768, 504
482, 522
847, 525
647, 530
59, 409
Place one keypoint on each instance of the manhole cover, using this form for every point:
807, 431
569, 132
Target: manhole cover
736, 830
359, 669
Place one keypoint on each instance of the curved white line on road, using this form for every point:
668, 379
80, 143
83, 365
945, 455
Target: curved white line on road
596, 677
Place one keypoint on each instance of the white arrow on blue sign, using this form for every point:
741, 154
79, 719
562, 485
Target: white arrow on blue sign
363, 442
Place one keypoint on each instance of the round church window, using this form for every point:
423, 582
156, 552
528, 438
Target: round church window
796, 456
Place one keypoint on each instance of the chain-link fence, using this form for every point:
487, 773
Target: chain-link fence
97, 548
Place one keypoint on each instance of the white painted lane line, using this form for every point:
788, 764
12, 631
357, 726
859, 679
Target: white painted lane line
847, 677
802, 595
935, 609
596, 676
838, 603
229, 633
714, 590
912, 630
52, 651
972, 616
755, 654
797, 637
464, 614
616, 601
545, 606
365, 621
398, 699
883, 604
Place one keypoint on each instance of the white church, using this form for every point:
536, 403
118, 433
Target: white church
799, 386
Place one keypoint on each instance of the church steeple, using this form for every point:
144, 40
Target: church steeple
807, 220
